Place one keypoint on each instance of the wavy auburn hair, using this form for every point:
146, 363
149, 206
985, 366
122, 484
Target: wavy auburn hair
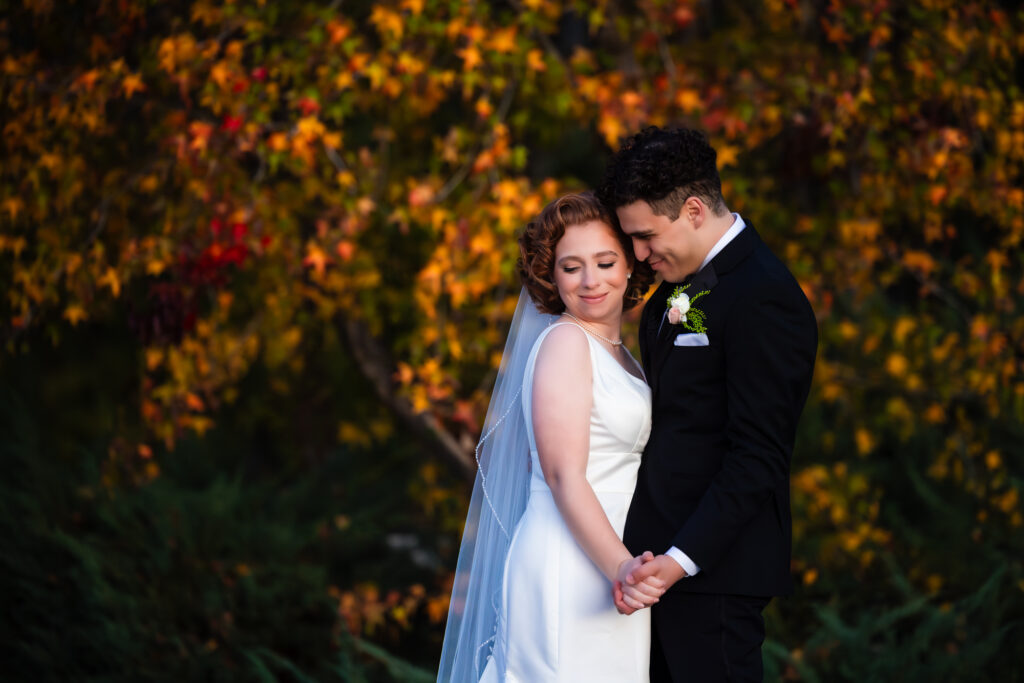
537, 244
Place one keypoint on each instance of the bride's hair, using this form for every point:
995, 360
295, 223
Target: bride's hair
537, 244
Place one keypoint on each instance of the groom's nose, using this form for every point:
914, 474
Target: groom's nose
640, 250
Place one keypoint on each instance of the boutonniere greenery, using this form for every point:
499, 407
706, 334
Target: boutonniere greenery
682, 309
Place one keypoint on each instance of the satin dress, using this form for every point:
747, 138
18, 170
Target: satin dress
559, 622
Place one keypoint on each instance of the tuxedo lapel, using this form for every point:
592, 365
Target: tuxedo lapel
661, 342
701, 281
652, 318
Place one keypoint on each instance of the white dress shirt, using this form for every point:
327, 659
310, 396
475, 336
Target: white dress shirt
688, 565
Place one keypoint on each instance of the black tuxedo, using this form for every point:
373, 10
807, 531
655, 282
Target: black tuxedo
714, 479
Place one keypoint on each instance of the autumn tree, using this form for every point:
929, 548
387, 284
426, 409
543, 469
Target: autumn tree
230, 178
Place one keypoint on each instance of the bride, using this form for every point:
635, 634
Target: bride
558, 459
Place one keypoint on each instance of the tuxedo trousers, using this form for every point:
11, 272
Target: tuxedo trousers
707, 638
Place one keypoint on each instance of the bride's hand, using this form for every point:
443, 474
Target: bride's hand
630, 595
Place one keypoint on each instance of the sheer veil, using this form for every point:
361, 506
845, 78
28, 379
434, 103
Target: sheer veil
499, 496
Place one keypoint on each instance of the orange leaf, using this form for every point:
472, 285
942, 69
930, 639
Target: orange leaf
132, 84
316, 259
75, 314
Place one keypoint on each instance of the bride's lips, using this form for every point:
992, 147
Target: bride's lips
594, 299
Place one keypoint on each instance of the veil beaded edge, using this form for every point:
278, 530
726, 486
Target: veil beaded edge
500, 490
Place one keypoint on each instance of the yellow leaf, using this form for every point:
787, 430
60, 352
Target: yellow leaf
727, 156
896, 364
149, 183
470, 57
221, 74
75, 314
535, 61
344, 80
612, 128
387, 22
315, 259
199, 424
865, 442
332, 140
992, 460
503, 40
310, 127
935, 414
111, 280
13, 206
920, 261
484, 108
132, 84
50, 161
414, 6
154, 358
278, 142
904, 326
689, 100
349, 432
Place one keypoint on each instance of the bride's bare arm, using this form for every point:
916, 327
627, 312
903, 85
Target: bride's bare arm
561, 404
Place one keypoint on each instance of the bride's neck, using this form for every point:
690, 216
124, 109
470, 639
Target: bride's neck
610, 329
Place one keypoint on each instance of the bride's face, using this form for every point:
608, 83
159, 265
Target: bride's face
591, 272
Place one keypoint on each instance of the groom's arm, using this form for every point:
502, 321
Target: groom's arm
769, 343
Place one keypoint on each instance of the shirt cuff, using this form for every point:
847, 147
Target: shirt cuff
684, 561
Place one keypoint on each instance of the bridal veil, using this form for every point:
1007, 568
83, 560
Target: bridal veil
498, 500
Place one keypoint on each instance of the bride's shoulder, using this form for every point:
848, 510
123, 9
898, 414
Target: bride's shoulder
563, 344
562, 360
563, 336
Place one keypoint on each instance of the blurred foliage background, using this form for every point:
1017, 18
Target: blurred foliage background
257, 260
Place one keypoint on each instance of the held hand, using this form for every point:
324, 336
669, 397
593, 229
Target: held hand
629, 594
662, 567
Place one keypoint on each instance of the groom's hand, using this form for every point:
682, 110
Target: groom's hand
631, 595
662, 567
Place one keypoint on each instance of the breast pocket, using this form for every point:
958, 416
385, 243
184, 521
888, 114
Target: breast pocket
691, 339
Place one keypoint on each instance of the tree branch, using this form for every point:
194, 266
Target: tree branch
376, 367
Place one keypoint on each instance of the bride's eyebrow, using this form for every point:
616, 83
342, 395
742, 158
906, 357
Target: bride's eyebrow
573, 257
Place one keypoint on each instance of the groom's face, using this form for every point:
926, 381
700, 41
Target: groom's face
669, 247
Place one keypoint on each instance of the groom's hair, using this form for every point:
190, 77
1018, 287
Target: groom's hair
539, 238
664, 167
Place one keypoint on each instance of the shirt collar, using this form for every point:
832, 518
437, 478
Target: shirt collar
730, 234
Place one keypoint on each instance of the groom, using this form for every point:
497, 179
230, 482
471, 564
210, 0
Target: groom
728, 342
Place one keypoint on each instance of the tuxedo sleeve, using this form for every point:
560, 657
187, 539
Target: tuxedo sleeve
769, 343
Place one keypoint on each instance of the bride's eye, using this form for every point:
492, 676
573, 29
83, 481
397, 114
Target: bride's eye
570, 269
606, 265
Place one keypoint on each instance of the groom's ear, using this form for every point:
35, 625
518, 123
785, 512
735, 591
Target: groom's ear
694, 211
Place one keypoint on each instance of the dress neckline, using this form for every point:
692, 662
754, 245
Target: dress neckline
641, 379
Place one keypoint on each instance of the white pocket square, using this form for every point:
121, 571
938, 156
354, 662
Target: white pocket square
691, 339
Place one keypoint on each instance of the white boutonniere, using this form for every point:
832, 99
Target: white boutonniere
682, 310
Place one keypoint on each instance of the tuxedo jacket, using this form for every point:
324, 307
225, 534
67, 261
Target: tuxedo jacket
714, 479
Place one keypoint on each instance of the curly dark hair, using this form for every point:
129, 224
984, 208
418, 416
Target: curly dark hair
537, 244
664, 167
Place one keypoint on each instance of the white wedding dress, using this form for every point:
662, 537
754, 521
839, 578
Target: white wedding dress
558, 621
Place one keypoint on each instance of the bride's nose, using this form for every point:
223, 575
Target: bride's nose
589, 278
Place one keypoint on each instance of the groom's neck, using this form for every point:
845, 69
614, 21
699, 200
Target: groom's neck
714, 227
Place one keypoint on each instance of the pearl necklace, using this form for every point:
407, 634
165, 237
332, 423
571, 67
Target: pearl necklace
592, 330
